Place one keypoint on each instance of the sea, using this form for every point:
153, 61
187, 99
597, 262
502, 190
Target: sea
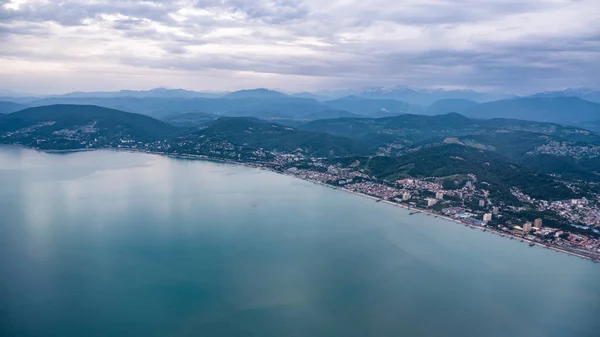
108, 243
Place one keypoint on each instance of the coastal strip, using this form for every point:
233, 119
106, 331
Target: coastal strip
263, 166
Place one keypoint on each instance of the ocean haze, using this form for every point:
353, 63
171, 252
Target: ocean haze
113, 243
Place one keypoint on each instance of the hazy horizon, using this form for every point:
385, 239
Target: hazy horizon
332, 91
298, 45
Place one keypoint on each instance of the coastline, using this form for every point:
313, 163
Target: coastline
377, 199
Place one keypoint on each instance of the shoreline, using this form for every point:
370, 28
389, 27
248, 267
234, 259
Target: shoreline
377, 199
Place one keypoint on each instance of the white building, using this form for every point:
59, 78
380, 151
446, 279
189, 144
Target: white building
439, 195
406, 196
431, 202
487, 217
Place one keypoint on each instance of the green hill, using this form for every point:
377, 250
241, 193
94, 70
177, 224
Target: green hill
7, 107
372, 107
190, 119
542, 109
255, 93
251, 134
80, 126
447, 160
444, 106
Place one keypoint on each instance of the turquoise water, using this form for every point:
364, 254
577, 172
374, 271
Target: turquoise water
122, 244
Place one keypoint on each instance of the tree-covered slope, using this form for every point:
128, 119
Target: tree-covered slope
7, 107
63, 126
446, 160
253, 134
542, 109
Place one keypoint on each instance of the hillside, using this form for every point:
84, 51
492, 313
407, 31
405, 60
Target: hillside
80, 126
426, 97
544, 147
588, 125
415, 128
445, 106
400, 130
7, 107
190, 119
372, 107
543, 153
542, 109
501, 152
445, 161
261, 107
583, 93
230, 134
255, 93
156, 93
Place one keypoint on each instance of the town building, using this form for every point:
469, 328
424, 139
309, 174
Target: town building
527, 227
487, 217
406, 196
537, 223
431, 202
495, 210
481, 203
439, 195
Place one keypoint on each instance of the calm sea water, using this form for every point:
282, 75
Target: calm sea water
120, 244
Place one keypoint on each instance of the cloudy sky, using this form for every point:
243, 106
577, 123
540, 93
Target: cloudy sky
509, 45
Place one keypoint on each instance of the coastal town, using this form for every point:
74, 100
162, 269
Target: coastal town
577, 232
571, 226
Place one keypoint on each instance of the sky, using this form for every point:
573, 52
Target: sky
298, 45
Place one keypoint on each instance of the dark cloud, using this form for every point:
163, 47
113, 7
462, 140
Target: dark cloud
475, 43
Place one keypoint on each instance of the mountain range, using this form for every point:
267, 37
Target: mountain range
547, 147
291, 109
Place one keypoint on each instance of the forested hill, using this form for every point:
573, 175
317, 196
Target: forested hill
538, 158
86, 126
253, 134
8, 107
565, 110
453, 162
77, 126
407, 129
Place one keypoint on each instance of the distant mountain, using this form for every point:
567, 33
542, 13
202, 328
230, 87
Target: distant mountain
327, 113
156, 93
255, 93
583, 93
19, 99
80, 126
248, 134
425, 97
8, 107
372, 107
151, 106
554, 110
444, 106
311, 95
190, 119
278, 106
